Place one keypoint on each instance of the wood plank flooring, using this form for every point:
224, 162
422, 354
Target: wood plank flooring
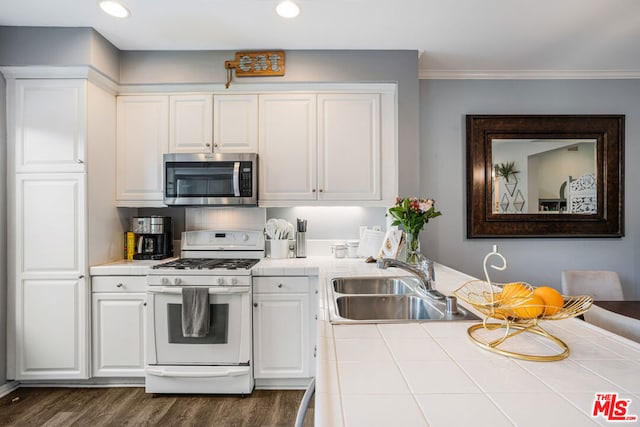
131, 406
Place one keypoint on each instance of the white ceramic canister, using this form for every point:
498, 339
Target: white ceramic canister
339, 250
352, 248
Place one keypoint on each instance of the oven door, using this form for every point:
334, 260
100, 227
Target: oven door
229, 338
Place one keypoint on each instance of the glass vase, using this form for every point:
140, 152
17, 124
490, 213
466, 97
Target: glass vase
413, 248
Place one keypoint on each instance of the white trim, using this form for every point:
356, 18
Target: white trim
426, 74
43, 72
218, 88
8, 387
61, 72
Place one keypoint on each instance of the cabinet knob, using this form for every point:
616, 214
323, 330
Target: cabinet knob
119, 285
279, 285
207, 145
79, 161
255, 304
321, 190
313, 191
81, 276
144, 303
215, 145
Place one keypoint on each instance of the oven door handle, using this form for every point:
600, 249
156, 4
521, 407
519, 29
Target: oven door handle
216, 290
159, 372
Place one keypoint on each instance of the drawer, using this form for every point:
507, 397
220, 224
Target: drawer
285, 284
118, 283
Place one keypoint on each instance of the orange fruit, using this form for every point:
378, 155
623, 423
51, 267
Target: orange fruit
552, 299
513, 293
529, 308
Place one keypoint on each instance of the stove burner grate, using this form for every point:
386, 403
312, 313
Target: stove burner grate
209, 264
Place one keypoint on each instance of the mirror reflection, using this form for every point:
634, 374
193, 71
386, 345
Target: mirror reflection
544, 176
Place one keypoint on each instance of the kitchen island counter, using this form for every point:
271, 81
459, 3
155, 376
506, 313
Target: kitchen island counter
431, 374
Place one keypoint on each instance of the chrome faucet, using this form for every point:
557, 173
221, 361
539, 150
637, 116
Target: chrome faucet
424, 273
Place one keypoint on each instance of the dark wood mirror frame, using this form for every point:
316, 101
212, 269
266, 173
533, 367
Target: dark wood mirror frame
607, 130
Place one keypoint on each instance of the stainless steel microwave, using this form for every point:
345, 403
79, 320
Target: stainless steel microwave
221, 179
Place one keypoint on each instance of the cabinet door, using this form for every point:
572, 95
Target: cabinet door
118, 334
51, 329
50, 225
142, 139
48, 132
349, 147
235, 123
281, 339
51, 297
190, 123
287, 150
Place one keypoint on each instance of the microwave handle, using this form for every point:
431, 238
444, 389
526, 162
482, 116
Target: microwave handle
236, 179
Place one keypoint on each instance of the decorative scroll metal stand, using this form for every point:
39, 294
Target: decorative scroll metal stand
483, 295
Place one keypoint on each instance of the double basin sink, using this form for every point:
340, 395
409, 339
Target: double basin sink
382, 299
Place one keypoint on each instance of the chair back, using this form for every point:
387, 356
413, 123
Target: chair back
602, 285
624, 326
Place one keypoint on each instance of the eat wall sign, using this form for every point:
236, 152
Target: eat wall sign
256, 64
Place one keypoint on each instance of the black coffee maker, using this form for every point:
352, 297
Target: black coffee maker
153, 237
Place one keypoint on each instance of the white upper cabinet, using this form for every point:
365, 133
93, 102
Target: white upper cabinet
142, 139
235, 123
327, 148
288, 144
190, 123
49, 125
349, 147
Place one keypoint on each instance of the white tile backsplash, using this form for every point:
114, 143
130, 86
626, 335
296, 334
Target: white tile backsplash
225, 218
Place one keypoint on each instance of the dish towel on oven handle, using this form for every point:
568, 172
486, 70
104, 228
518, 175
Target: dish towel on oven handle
195, 312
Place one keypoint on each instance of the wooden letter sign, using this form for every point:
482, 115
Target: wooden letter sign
256, 64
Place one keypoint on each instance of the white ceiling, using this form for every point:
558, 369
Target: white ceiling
456, 38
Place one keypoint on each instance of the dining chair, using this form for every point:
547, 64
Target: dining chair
602, 285
619, 324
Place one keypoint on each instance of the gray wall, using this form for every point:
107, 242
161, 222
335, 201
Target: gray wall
3, 233
444, 104
53, 46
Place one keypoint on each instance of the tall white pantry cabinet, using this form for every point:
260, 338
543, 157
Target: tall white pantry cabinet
61, 218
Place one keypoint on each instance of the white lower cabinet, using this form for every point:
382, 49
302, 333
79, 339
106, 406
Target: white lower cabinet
283, 331
51, 330
118, 326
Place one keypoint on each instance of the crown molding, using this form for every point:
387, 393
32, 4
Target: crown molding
61, 72
426, 74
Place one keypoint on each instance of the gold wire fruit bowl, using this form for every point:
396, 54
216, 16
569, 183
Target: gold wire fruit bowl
486, 298
511, 311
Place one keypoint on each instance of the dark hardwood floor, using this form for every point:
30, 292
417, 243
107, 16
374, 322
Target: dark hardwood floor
131, 406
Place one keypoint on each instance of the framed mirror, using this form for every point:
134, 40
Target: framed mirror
545, 176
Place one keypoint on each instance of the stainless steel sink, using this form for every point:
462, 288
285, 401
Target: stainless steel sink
385, 299
386, 307
371, 285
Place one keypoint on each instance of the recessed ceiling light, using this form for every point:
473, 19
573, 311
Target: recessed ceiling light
114, 8
287, 9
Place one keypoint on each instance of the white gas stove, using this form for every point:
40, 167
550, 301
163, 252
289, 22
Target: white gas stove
220, 361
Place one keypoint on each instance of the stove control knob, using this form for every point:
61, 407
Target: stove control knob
234, 281
165, 281
220, 281
177, 281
